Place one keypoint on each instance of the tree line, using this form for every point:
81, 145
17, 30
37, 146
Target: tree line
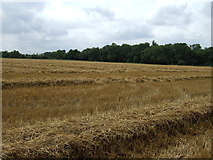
168, 54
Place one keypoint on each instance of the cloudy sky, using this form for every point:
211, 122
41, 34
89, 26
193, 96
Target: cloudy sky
36, 27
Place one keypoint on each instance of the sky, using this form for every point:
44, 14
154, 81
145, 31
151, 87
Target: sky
40, 26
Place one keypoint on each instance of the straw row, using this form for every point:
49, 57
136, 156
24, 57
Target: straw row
85, 81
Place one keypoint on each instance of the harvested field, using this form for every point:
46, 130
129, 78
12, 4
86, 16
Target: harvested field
55, 109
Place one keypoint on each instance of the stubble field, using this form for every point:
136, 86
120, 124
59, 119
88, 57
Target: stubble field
55, 109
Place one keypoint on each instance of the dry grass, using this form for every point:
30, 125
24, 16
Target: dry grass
109, 134
90, 109
91, 99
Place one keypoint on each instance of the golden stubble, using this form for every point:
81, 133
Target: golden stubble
108, 99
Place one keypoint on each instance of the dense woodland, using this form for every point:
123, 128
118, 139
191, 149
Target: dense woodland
169, 54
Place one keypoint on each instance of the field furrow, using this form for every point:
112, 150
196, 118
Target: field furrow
86, 81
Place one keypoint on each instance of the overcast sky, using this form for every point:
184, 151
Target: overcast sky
36, 27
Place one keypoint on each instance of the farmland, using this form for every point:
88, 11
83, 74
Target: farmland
58, 108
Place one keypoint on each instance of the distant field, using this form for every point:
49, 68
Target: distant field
57, 108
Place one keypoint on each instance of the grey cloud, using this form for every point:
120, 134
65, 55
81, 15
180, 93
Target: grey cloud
133, 33
172, 15
35, 33
54, 29
29, 32
132, 29
206, 9
35, 43
19, 17
101, 12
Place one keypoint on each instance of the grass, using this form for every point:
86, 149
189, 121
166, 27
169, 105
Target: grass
90, 109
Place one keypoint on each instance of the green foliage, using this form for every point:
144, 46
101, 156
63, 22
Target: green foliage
175, 54
12, 54
72, 54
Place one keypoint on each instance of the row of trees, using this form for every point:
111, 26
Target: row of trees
175, 54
